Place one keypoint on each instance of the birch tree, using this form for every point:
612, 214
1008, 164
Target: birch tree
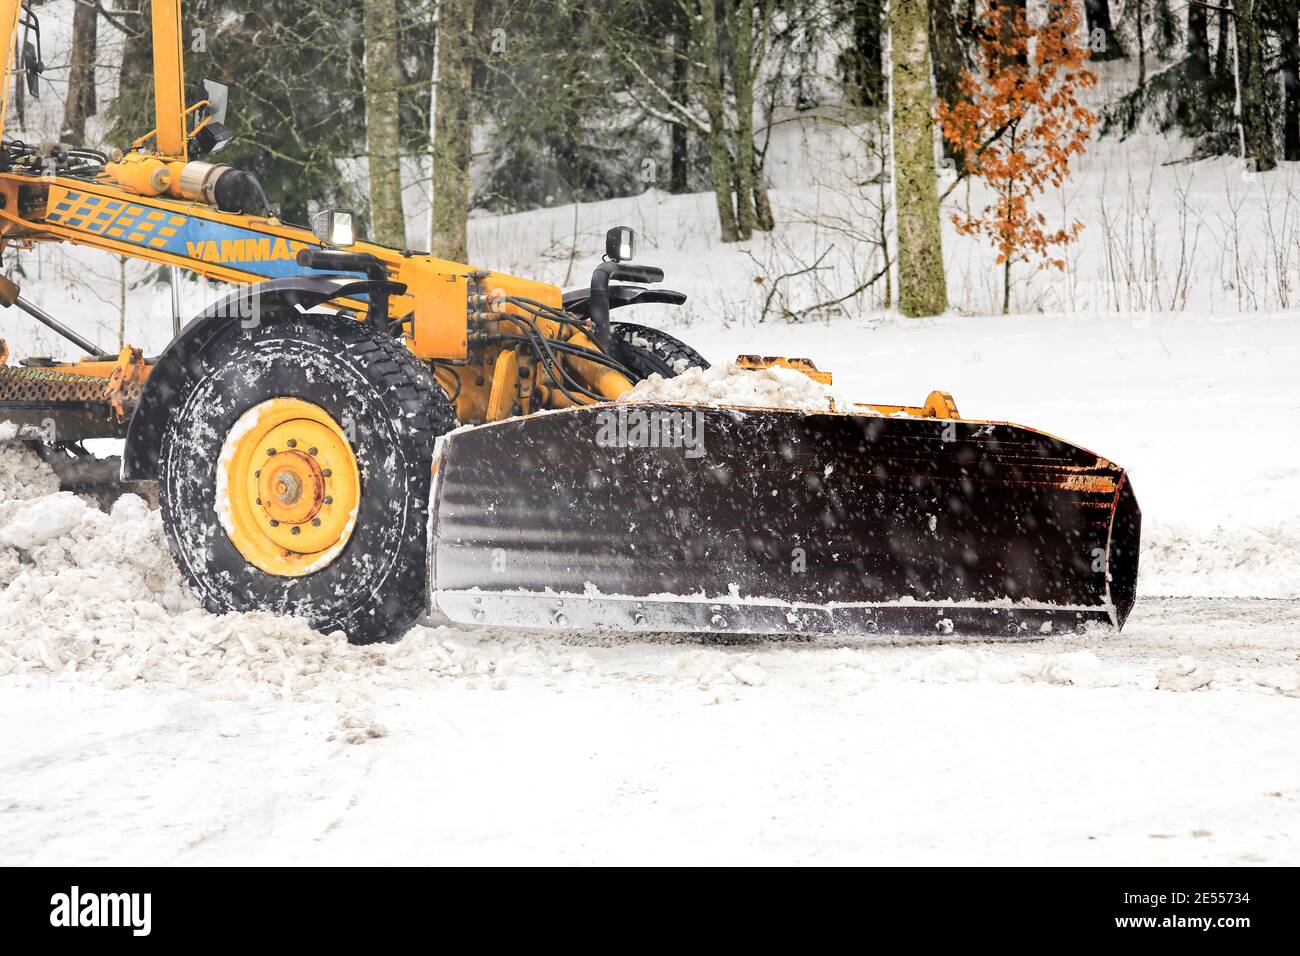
922, 288
383, 134
451, 130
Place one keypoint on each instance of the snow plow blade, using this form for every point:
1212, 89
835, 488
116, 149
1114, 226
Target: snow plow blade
648, 517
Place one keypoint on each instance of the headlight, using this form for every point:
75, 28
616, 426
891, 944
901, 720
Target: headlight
333, 227
209, 138
620, 244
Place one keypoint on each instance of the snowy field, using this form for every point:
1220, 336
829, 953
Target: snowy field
138, 729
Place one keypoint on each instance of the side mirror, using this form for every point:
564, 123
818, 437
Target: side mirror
333, 227
620, 244
218, 97
211, 135
33, 68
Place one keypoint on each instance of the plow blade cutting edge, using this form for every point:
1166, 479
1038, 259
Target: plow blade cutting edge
649, 517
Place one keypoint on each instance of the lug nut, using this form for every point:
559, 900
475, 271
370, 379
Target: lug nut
270, 451
315, 522
292, 443
328, 500
313, 451
295, 530
274, 523
326, 473
257, 474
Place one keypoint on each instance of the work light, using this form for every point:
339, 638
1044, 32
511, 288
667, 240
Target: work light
333, 227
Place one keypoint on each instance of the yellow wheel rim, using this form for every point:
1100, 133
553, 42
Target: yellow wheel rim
288, 487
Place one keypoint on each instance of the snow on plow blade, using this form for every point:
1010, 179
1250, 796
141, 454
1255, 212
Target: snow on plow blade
682, 518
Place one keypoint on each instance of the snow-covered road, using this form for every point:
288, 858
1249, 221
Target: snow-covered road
549, 751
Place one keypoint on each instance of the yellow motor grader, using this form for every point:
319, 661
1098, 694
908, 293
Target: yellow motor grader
358, 434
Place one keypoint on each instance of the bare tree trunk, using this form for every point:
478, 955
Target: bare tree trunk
949, 65
135, 71
679, 159
383, 132
1166, 28
451, 148
1198, 43
763, 218
1291, 86
1102, 40
121, 301
922, 288
1006, 286
1256, 126
721, 162
866, 71
1014, 14
433, 109
1194, 106
80, 102
1221, 63
1142, 43
742, 81
20, 81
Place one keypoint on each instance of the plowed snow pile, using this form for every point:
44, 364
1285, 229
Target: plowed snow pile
729, 384
1226, 562
95, 596
94, 592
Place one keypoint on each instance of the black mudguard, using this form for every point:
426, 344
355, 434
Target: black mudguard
182, 363
578, 301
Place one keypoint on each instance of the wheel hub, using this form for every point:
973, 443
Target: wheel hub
288, 487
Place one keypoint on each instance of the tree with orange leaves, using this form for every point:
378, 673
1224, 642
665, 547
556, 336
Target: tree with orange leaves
1019, 125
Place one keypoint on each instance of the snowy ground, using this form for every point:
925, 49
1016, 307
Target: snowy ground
545, 751
136, 728
655, 753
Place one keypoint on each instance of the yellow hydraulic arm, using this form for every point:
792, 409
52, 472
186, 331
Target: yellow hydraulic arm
169, 79
10, 12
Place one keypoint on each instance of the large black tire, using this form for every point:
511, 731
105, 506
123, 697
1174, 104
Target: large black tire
646, 351
375, 587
